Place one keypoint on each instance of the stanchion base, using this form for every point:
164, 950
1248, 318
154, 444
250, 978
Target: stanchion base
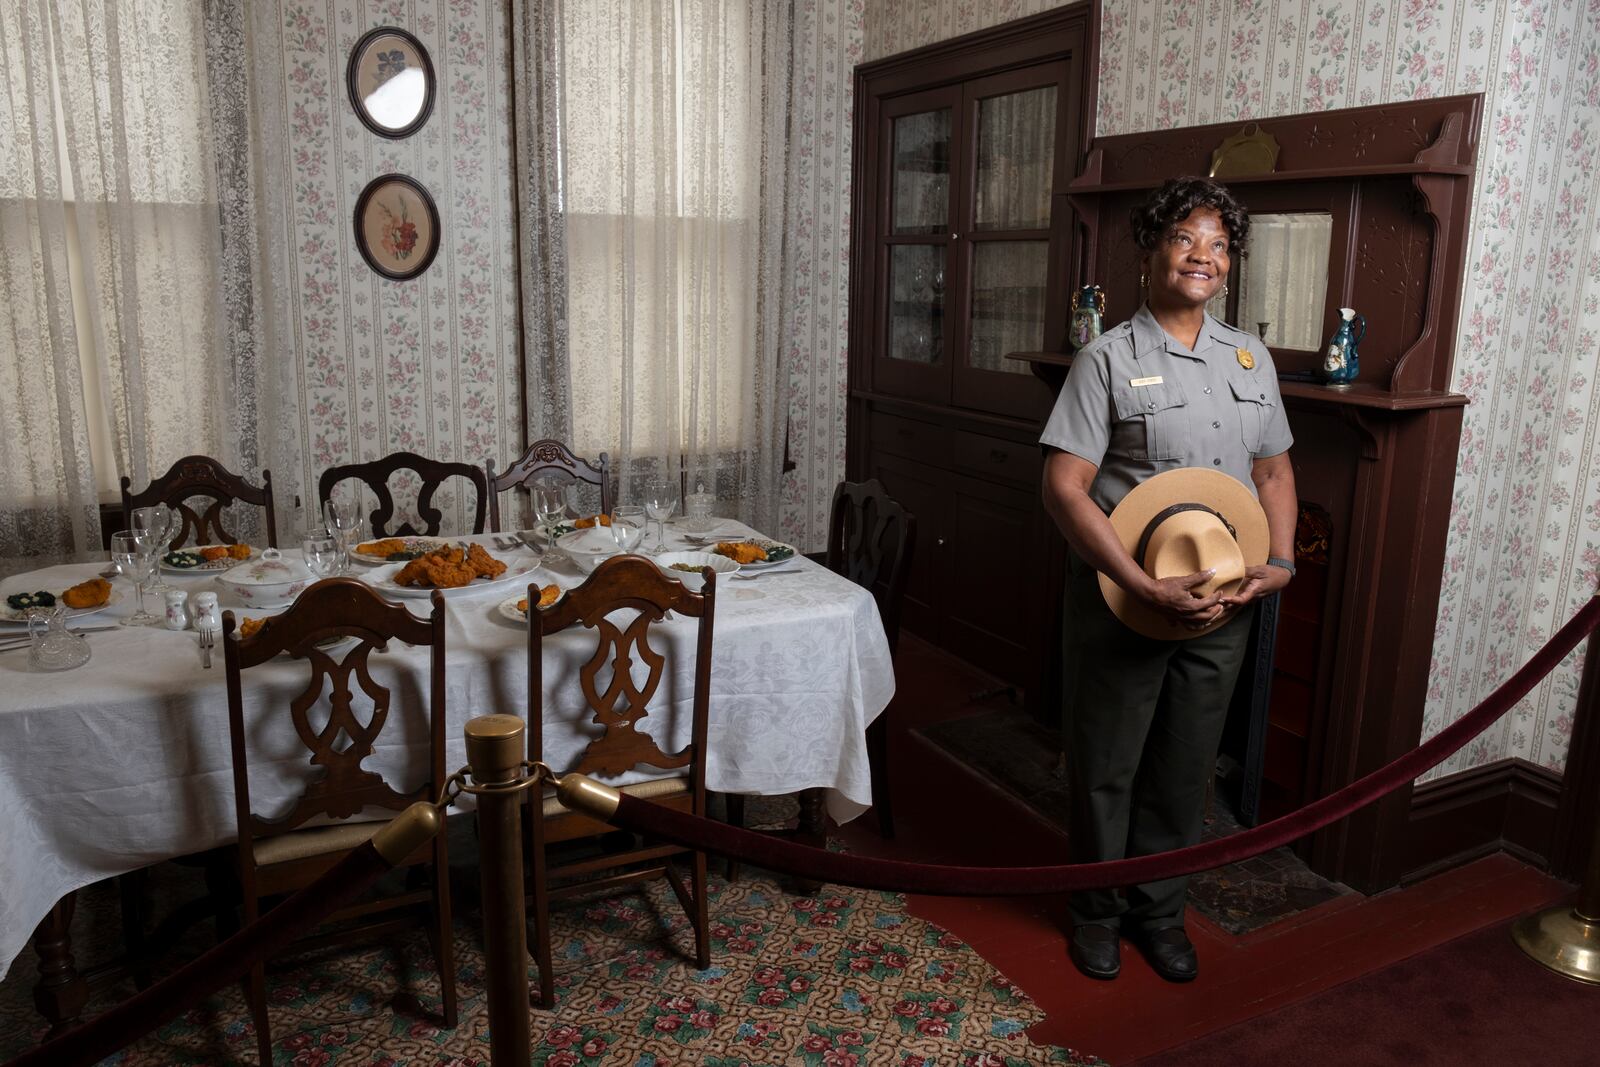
1562, 941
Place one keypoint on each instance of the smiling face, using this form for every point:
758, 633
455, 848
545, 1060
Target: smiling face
1190, 263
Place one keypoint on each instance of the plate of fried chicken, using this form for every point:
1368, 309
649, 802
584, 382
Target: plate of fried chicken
463, 570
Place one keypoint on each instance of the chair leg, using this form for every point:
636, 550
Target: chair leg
735, 803
256, 992
541, 911
702, 914
878, 761
444, 936
131, 887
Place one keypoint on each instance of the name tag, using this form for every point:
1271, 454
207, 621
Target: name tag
1137, 382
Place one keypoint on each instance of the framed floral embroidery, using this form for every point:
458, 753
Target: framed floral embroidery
391, 82
397, 226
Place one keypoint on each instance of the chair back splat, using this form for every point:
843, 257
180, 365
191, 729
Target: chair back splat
619, 706
195, 478
375, 475
547, 459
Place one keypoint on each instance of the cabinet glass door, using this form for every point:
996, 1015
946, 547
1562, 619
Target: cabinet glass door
1015, 167
920, 172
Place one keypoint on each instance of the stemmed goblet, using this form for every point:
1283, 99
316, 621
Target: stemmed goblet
660, 500
322, 553
157, 522
344, 519
136, 558
550, 507
627, 526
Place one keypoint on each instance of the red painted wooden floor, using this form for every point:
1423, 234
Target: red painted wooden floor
947, 814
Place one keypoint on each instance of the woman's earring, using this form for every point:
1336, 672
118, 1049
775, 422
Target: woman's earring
1224, 288
1144, 281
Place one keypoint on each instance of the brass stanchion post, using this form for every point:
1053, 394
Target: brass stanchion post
495, 745
1567, 940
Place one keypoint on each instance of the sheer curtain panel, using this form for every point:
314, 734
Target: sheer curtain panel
110, 259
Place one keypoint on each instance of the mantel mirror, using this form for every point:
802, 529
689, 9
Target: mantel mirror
1279, 288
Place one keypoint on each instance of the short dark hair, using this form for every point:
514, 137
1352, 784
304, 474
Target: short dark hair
1173, 202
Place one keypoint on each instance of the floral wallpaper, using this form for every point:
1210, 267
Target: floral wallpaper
429, 365
1524, 543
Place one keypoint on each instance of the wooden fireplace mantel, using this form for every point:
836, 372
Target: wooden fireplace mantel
1377, 458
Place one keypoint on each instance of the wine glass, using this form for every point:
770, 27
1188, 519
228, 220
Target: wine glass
136, 558
550, 506
627, 526
344, 519
322, 553
660, 500
154, 524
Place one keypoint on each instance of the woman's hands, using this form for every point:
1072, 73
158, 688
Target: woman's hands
1179, 599
1258, 582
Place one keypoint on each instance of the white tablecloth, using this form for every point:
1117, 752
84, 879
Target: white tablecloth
125, 761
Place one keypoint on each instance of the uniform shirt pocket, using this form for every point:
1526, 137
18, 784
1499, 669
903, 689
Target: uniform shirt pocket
1255, 411
1151, 420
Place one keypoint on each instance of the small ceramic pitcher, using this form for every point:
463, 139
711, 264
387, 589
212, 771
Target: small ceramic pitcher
177, 616
1341, 362
207, 616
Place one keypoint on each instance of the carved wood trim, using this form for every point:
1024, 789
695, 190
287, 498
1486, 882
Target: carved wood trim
195, 477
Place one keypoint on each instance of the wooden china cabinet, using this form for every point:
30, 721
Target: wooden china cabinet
963, 148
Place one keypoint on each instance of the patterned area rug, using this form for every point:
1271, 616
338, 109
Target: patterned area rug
841, 978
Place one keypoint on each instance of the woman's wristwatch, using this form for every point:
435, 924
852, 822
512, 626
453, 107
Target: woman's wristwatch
1279, 561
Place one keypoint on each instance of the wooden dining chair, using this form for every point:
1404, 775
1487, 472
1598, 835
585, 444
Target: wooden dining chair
196, 478
433, 473
870, 540
279, 855
632, 584
547, 459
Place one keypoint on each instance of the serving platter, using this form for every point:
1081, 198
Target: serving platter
205, 566
777, 552
414, 546
382, 579
10, 614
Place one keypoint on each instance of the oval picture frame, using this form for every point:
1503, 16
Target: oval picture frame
397, 226
382, 79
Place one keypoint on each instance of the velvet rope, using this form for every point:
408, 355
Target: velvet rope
777, 854
94, 1040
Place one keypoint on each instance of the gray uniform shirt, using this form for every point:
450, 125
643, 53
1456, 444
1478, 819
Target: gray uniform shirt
1137, 402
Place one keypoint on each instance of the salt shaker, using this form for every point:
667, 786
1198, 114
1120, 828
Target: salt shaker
206, 614
178, 609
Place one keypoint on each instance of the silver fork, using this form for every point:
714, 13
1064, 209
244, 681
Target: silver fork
208, 638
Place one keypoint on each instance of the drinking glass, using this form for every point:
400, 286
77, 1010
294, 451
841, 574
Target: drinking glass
660, 500
157, 522
136, 559
344, 519
550, 506
323, 553
627, 526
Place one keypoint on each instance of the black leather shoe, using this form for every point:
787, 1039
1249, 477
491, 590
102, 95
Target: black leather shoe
1171, 953
1096, 951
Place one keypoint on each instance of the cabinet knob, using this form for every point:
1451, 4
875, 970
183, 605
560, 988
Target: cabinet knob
955, 237
939, 540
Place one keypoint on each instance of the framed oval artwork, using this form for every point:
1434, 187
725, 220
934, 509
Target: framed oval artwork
397, 226
391, 82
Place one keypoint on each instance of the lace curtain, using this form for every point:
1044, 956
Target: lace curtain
669, 121
112, 326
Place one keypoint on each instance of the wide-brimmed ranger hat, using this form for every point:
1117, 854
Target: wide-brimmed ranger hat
1181, 522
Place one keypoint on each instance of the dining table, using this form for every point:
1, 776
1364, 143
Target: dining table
124, 762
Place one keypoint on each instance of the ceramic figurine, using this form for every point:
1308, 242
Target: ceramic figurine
1088, 305
1341, 363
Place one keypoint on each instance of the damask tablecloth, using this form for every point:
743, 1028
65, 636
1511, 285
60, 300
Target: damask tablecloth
125, 761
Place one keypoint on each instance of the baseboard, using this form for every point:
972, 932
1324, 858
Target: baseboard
1506, 806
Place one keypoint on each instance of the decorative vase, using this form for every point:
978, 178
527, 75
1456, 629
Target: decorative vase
1088, 305
1341, 362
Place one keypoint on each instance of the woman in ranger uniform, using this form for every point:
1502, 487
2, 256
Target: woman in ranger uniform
1170, 388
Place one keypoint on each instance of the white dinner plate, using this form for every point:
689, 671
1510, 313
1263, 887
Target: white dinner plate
419, 545
209, 566
784, 553
9, 614
382, 579
508, 609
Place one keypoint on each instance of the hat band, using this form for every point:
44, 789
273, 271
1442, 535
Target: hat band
1167, 513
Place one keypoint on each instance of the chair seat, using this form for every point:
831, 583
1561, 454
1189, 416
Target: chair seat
654, 789
317, 841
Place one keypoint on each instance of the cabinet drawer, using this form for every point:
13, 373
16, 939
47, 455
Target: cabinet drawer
995, 457
910, 438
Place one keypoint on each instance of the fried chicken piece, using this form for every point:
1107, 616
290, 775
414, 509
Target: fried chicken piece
213, 552
547, 596
443, 568
250, 627
485, 565
741, 551
90, 594
591, 521
382, 549
239, 551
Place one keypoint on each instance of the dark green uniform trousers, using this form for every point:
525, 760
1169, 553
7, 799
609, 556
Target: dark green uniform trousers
1143, 722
